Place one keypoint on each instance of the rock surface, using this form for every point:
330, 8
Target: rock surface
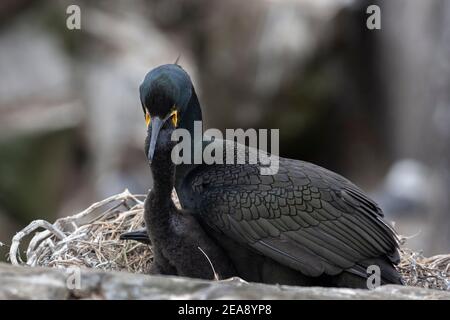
44, 283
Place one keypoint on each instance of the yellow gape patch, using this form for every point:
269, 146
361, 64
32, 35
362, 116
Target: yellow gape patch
174, 117
147, 119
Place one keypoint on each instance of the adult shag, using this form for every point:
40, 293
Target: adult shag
304, 225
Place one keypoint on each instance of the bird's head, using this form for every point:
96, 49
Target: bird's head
165, 95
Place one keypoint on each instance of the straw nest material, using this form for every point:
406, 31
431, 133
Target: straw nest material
91, 239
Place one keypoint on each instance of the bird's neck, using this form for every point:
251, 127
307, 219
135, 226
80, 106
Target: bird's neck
163, 173
159, 203
193, 113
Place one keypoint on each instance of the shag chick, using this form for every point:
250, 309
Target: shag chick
180, 245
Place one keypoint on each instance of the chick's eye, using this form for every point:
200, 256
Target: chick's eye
174, 118
148, 119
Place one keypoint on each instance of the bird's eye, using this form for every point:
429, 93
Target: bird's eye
174, 118
147, 118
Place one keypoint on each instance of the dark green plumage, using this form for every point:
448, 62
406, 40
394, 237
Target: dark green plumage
305, 225
304, 217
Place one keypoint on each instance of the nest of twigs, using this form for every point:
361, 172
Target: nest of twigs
420, 271
91, 239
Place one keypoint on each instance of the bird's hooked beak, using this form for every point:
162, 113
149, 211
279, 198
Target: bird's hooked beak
156, 125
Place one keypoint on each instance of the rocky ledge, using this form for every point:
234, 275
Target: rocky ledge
46, 283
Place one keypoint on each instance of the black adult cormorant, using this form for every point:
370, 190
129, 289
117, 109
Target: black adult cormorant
180, 245
304, 225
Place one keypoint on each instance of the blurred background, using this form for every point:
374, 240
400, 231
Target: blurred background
373, 105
